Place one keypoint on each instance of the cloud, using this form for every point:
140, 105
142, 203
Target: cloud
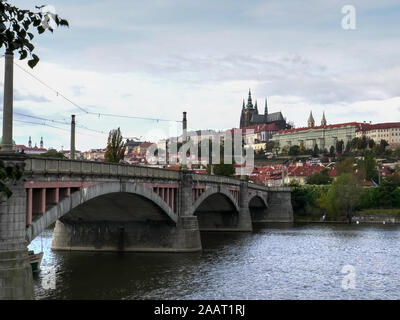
158, 58
77, 90
19, 95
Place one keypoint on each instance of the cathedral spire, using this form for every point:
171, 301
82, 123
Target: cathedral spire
249, 102
30, 142
243, 105
311, 121
323, 121
41, 142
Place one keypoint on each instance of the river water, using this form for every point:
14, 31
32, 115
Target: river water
290, 262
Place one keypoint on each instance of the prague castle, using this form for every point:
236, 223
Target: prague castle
273, 126
250, 116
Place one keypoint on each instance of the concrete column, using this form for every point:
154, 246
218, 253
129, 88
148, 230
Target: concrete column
72, 151
15, 270
245, 223
6, 144
280, 206
185, 193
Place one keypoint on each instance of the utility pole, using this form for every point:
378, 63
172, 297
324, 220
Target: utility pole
7, 141
72, 151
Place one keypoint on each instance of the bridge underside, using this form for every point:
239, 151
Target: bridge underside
258, 210
124, 222
218, 213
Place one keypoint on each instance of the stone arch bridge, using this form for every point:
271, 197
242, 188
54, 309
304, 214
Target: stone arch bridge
113, 207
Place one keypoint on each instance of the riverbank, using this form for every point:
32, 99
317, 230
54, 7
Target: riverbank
378, 216
381, 216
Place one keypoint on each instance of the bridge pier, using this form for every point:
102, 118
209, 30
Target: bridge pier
245, 223
15, 270
279, 208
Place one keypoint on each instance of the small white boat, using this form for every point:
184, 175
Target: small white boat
35, 260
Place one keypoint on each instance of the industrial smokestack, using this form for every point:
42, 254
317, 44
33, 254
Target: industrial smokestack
184, 125
72, 151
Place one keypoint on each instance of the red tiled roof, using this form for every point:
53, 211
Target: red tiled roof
146, 144
25, 148
275, 172
387, 125
329, 126
174, 167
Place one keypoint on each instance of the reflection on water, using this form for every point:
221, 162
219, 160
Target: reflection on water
297, 262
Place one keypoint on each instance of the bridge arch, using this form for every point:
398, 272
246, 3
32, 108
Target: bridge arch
257, 198
215, 191
83, 196
258, 206
216, 209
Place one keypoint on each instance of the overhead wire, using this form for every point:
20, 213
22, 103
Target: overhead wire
86, 111
49, 125
57, 121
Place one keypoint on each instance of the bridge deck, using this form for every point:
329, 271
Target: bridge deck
39, 165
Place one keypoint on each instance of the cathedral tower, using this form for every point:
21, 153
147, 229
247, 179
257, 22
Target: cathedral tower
323, 121
311, 121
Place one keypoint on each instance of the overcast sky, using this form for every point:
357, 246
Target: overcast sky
158, 58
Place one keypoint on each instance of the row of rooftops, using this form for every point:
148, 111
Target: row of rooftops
263, 173
387, 125
358, 125
26, 149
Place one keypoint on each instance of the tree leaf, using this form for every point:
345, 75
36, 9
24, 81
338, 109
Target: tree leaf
30, 46
33, 62
26, 24
36, 22
24, 54
64, 22
40, 29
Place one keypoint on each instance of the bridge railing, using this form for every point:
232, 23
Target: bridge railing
38, 165
81, 167
265, 188
204, 178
